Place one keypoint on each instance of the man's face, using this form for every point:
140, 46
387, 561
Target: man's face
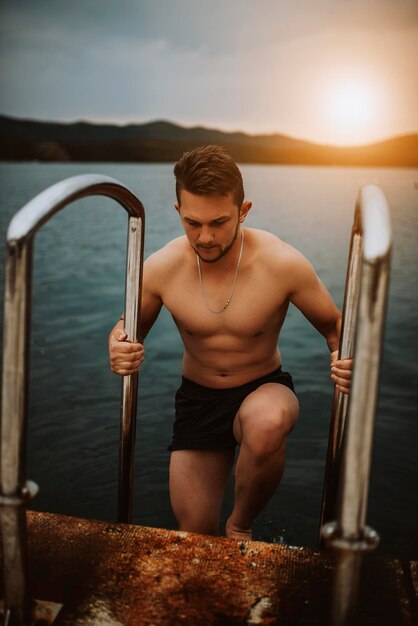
211, 223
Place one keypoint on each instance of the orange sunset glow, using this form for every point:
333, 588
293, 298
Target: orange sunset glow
328, 72
352, 111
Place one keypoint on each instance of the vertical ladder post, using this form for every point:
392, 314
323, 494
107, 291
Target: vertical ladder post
346, 350
133, 289
15, 491
348, 535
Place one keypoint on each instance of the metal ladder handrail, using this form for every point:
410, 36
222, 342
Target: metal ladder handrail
15, 491
347, 476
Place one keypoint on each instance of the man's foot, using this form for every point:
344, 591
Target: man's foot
233, 532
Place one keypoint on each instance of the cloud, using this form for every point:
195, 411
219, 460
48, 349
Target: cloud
253, 64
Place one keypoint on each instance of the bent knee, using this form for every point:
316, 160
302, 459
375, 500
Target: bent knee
267, 434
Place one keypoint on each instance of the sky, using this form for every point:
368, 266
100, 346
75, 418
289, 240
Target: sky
332, 71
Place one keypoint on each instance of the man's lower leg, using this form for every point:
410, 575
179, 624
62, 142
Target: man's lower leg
256, 480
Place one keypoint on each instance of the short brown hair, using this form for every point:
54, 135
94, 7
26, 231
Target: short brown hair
209, 170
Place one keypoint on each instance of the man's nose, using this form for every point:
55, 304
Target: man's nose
205, 235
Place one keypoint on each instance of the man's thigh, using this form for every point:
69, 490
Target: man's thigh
270, 408
198, 478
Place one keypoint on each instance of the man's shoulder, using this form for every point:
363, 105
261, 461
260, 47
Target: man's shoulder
282, 261
162, 265
174, 247
165, 257
272, 249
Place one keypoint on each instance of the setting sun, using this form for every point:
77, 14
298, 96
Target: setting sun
351, 104
352, 111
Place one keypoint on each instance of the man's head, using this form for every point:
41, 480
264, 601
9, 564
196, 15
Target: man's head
209, 170
210, 201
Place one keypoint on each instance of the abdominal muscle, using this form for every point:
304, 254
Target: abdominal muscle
221, 362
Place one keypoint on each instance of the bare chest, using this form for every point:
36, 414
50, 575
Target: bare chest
258, 304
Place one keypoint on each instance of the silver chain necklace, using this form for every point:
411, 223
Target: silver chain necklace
231, 291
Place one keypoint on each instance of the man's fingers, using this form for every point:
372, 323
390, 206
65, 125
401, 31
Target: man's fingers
340, 373
129, 364
127, 355
343, 383
344, 380
124, 372
127, 361
344, 364
125, 346
343, 389
126, 368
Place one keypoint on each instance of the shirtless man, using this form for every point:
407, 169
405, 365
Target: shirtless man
228, 289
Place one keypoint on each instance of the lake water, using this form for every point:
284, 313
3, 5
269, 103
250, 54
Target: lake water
78, 294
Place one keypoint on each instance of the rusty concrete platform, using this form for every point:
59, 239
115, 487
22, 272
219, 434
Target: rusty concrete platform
109, 574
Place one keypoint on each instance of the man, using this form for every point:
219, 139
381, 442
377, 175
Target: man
228, 289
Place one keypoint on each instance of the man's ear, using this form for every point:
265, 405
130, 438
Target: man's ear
245, 207
177, 207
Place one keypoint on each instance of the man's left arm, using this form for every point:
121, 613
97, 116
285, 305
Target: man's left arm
310, 296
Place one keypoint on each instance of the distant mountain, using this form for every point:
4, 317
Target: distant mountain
162, 141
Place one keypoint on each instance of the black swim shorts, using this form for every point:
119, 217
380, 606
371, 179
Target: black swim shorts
204, 416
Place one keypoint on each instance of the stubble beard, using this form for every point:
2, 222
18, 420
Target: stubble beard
223, 252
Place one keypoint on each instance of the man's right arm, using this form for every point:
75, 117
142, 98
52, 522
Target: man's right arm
127, 356
311, 297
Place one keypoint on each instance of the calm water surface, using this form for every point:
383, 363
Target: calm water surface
78, 293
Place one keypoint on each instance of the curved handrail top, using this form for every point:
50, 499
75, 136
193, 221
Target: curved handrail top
373, 210
38, 210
